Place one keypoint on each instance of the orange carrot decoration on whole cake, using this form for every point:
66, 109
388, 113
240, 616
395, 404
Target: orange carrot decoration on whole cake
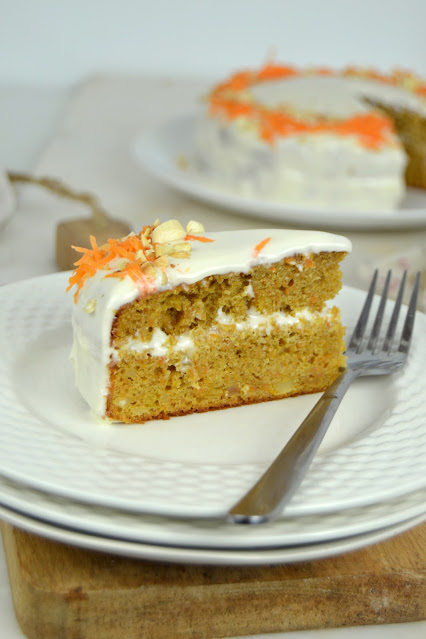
231, 100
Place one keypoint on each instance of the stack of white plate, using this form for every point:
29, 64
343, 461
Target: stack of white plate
161, 490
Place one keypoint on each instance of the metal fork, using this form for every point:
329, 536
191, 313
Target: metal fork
365, 356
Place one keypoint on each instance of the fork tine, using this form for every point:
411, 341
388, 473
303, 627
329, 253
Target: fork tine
387, 344
360, 327
407, 331
379, 316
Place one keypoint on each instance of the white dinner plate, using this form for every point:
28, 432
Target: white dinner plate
253, 557
197, 465
206, 533
162, 150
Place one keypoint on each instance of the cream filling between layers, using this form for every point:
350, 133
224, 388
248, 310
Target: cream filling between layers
261, 322
162, 345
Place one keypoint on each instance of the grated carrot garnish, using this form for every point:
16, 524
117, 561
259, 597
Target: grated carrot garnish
88, 261
231, 100
129, 250
137, 258
260, 246
95, 247
135, 242
80, 249
199, 238
96, 258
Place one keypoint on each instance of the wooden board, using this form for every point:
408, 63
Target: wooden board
64, 592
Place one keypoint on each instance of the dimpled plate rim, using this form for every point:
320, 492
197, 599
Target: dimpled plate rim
384, 462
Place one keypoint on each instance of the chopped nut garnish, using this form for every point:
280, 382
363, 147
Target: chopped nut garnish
184, 247
148, 269
90, 306
180, 255
145, 242
120, 265
161, 262
169, 231
164, 249
138, 256
192, 228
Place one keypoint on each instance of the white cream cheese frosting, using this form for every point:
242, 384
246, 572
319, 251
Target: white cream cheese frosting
228, 252
335, 97
321, 171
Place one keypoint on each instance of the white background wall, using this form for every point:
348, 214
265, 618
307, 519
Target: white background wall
58, 42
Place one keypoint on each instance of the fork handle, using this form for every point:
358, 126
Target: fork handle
266, 499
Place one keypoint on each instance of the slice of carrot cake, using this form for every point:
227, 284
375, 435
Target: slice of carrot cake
170, 321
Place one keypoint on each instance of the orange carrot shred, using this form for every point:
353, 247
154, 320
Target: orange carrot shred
128, 249
93, 243
199, 238
260, 246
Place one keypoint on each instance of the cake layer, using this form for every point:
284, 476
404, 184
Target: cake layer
293, 284
411, 129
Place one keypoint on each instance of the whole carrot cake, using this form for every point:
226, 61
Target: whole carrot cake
173, 321
350, 139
